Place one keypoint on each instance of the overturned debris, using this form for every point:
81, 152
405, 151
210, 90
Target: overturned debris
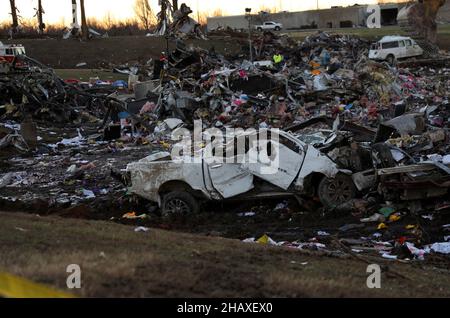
384, 128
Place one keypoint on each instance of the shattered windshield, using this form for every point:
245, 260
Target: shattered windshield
19, 51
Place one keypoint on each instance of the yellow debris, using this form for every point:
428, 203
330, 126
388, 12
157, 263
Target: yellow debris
382, 226
16, 287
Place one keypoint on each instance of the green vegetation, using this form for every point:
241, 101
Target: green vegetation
370, 34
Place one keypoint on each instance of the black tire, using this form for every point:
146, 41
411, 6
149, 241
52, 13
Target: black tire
277, 29
259, 29
334, 192
390, 59
178, 203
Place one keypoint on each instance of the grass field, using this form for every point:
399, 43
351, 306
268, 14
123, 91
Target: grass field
370, 34
116, 261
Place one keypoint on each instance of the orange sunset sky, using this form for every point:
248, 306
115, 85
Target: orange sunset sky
60, 10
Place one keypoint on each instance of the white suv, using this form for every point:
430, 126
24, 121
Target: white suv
391, 48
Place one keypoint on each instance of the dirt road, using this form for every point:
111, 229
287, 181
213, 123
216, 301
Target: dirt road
98, 53
117, 261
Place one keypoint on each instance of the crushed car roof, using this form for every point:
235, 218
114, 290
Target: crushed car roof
389, 38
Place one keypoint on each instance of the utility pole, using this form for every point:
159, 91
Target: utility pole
15, 21
164, 17
175, 5
317, 4
74, 15
84, 27
40, 13
248, 14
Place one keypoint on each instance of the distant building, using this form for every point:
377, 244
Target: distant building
335, 17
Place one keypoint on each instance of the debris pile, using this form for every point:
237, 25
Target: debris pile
176, 22
386, 126
36, 91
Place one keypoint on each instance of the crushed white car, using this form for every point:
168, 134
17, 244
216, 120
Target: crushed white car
179, 185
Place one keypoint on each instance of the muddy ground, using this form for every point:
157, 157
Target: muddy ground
116, 261
103, 53
42, 185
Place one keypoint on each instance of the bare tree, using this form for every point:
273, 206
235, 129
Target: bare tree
217, 13
84, 27
15, 20
175, 5
268, 9
108, 20
144, 13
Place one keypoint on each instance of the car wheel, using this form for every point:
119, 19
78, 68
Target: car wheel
179, 203
334, 192
390, 59
277, 29
259, 29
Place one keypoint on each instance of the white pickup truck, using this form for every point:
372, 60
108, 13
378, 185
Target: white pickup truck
269, 25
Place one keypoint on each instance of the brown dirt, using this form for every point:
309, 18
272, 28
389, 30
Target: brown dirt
99, 53
444, 42
117, 262
66, 54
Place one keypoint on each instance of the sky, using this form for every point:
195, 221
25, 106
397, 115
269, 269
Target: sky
60, 10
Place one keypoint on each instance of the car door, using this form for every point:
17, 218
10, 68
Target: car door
275, 161
226, 176
229, 179
390, 48
415, 49
402, 52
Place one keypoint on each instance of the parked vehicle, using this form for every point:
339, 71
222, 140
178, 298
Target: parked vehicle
8, 52
269, 25
178, 186
392, 48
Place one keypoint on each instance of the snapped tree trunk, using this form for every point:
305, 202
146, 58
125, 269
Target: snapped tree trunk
84, 27
175, 5
15, 22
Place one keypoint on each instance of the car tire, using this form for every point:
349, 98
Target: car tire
259, 29
390, 59
334, 192
178, 203
277, 29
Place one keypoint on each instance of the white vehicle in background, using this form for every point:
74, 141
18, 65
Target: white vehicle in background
269, 25
392, 48
8, 52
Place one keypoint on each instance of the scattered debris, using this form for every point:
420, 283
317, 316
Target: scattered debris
358, 138
141, 229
